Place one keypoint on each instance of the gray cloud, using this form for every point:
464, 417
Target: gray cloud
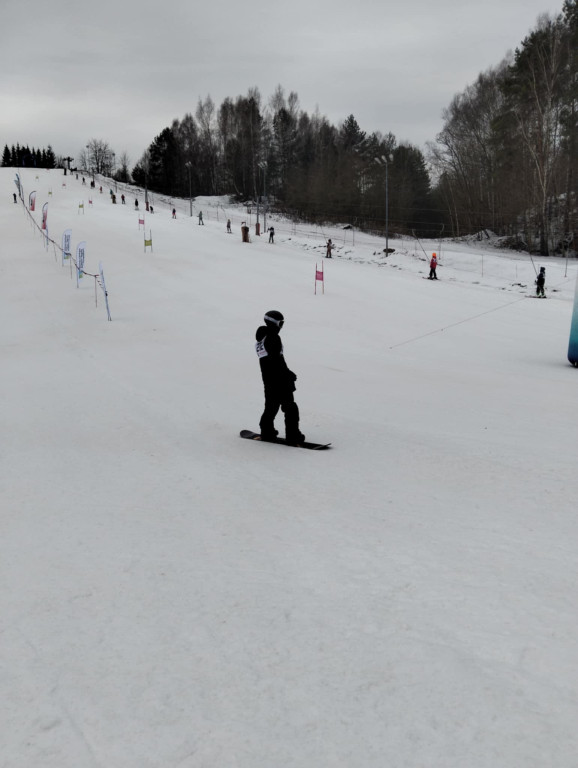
122, 71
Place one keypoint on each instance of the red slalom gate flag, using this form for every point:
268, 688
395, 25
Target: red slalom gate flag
32, 201
319, 277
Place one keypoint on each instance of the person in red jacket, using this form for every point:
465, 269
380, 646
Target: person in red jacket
432, 267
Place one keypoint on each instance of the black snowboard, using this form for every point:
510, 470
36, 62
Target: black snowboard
248, 435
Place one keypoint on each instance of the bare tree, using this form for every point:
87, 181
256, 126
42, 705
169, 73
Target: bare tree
536, 104
99, 157
123, 172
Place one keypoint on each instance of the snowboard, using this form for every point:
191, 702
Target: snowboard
248, 435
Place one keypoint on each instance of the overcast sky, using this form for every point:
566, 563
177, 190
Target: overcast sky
122, 70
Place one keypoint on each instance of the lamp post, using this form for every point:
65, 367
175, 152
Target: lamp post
89, 161
263, 167
188, 167
384, 161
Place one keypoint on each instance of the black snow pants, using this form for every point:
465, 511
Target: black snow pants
275, 399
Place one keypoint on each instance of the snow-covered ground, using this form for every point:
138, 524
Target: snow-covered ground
175, 597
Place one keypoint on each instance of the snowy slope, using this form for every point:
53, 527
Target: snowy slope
172, 595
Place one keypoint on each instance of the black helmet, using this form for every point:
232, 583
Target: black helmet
274, 318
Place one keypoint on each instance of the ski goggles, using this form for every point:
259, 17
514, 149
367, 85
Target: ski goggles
274, 320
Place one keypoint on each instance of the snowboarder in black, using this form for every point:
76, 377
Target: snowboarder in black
540, 282
278, 380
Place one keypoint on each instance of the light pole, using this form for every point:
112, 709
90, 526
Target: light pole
89, 161
188, 167
263, 167
384, 160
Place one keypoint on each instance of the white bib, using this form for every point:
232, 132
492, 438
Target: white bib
260, 348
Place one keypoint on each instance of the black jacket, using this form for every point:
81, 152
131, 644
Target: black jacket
276, 375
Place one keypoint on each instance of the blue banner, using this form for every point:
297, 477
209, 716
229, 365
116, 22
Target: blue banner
573, 345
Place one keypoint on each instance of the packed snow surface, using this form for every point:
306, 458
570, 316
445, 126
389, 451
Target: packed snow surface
175, 597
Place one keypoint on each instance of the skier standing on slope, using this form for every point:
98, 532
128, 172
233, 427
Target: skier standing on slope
278, 380
432, 267
541, 282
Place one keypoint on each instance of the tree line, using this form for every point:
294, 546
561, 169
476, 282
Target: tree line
24, 157
301, 164
506, 159
507, 156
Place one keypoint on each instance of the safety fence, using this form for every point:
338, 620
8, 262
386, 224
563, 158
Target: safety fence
64, 249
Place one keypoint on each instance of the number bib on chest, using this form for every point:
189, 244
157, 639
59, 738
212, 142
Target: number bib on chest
260, 348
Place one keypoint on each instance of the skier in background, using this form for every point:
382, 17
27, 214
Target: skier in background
432, 267
229, 226
201, 218
278, 381
271, 234
540, 282
330, 247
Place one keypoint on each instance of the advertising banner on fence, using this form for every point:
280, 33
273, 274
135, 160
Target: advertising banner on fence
32, 201
44, 215
66, 250
573, 343
80, 252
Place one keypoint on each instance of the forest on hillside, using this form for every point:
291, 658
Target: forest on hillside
505, 160
507, 156
19, 156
